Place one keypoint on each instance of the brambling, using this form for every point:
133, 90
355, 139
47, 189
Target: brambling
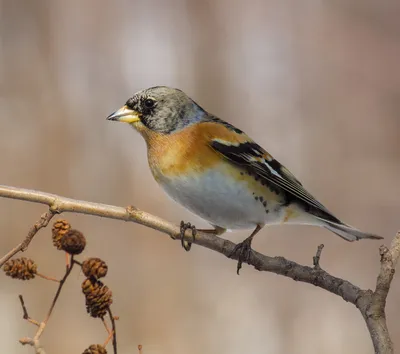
217, 172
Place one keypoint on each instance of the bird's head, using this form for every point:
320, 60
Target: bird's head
161, 109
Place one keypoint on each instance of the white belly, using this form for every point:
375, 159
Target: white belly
221, 201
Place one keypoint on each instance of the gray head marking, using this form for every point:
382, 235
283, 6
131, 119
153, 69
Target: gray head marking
164, 109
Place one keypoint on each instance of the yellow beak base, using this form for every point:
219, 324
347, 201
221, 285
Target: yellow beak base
124, 114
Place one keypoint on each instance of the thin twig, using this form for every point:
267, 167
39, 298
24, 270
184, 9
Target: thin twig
114, 329
67, 260
34, 322
43, 222
106, 326
78, 263
25, 311
110, 335
58, 292
47, 277
317, 256
21, 299
109, 332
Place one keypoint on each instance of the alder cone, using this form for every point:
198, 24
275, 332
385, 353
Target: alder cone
94, 267
60, 228
98, 297
95, 349
20, 268
73, 242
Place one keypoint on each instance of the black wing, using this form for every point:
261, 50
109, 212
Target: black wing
256, 160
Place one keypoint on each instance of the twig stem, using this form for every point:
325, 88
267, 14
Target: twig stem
47, 277
114, 330
43, 222
25, 311
58, 292
317, 256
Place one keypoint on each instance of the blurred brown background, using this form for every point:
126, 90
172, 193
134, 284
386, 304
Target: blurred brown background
317, 83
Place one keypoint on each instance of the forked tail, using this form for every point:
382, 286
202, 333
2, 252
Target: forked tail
347, 232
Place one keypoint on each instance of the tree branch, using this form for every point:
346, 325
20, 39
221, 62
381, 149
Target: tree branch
374, 315
43, 222
371, 304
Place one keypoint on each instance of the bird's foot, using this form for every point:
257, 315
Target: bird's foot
244, 251
187, 245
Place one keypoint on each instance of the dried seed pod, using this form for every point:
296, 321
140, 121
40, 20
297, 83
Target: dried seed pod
91, 286
73, 242
98, 297
20, 268
95, 349
94, 267
60, 228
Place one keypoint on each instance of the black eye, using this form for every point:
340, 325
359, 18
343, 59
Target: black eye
149, 103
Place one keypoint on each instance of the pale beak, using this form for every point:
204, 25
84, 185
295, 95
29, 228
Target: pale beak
125, 114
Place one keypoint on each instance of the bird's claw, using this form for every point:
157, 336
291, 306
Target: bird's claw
187, 245
244, 252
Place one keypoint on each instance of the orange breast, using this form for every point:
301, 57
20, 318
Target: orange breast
187, 151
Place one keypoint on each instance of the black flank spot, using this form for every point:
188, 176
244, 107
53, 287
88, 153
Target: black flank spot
261, 199
288, 199
265, 203
256, 198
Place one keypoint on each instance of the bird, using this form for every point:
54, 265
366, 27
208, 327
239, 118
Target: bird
219, 173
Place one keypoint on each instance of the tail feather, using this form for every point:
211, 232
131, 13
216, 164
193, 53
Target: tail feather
347, 232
